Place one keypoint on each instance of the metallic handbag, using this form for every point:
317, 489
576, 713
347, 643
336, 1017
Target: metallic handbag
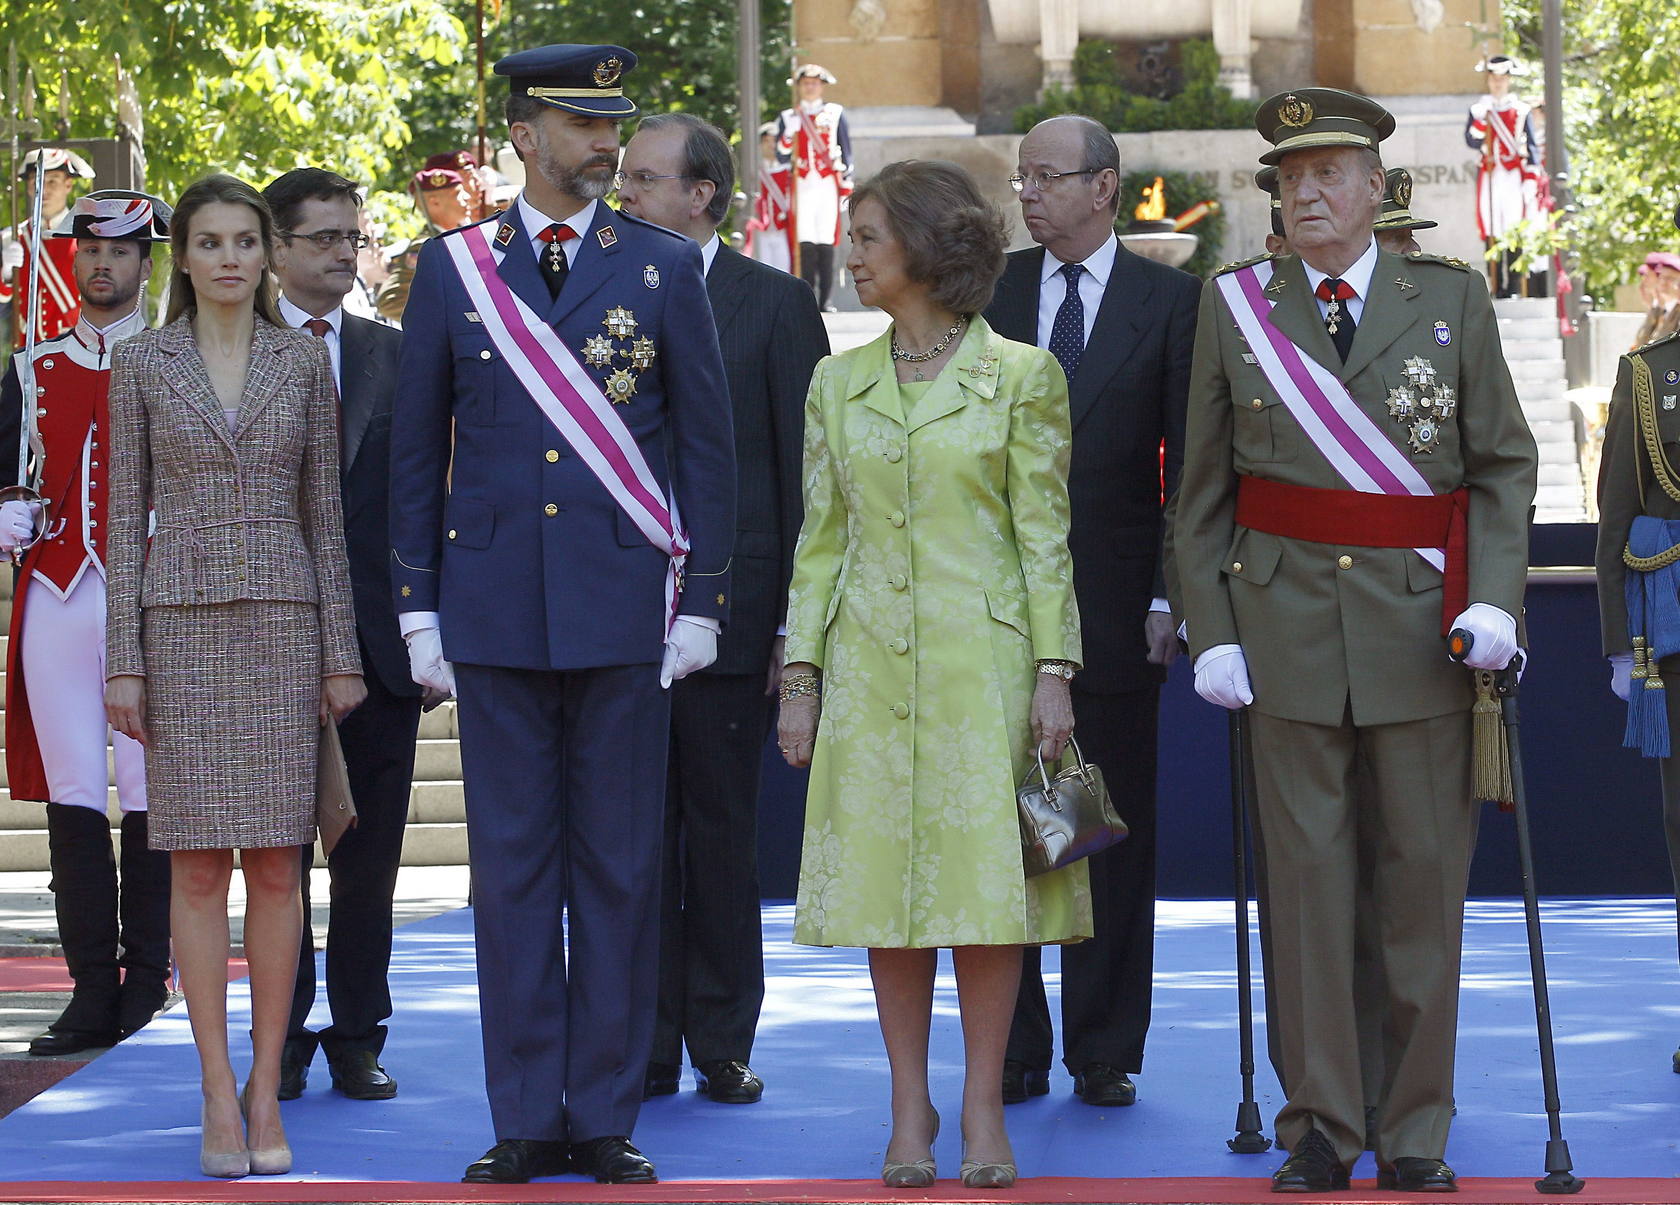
1065, 818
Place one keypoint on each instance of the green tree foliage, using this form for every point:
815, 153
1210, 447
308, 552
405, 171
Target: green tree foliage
1180, 192
1099, 91
254, 87
1621, 123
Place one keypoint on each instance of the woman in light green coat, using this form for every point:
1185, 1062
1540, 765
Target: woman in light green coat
932, 630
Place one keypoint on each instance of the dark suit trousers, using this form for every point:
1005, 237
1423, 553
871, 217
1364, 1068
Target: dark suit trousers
1106, 980
711, 952
378, 739
565, 782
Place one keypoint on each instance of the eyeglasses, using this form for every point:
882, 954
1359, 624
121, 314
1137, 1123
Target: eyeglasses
644, 179
1043, 180
326, 240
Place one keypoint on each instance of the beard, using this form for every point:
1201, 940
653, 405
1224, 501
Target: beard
571, 180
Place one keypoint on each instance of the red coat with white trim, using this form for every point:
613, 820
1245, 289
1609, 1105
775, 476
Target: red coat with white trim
60, 302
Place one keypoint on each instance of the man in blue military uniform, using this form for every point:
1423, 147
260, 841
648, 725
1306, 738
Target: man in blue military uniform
562, 514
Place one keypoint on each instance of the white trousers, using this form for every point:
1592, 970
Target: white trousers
819, 209
64, 665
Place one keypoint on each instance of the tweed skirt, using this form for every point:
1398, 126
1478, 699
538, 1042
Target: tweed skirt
233, 692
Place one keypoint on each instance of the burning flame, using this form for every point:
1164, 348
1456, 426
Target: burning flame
1154, 207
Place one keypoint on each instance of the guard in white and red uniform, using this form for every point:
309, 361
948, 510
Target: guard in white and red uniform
814, 139
56, 731
1510, 178
57, 310
769, 237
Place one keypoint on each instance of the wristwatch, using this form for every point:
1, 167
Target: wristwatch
1060, 669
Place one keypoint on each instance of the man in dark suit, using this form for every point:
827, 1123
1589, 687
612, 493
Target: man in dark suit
678, 173
317, 237
562, 519
1123, 328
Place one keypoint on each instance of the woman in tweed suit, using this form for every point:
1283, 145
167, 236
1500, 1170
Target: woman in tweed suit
230, 634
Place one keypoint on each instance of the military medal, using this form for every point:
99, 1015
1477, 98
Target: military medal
1443, 334
1671, 377
1425, 433
1401, 402
598, 350
620, 322
1669, 400
650, 276
641, 354
1420, 372
1446, 401
621, 386
556, 257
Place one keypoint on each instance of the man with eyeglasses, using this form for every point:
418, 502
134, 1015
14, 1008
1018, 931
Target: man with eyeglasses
317, 237
1122, 328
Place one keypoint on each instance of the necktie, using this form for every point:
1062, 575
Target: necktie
553, 257
318, 327
1067, 333
1337, 319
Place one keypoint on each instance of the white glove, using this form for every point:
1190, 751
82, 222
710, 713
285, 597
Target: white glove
1621, 675
691, 645
17, 523
11, 259
1222, 676
1494, 635
425, 661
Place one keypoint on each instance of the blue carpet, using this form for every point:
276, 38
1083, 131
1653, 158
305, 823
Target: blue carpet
132, 1114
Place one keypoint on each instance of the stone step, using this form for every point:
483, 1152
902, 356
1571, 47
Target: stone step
423, 845
1551, 498
1560, 474
1525, 307
1535, 370
1553, 432
1558, 452
1528, 328
438, 723
1551, 410
437, 803
1551, 389
433, 759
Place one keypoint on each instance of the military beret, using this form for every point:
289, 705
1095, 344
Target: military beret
435, 179
115, 213
578, 79
1311, 118
1397, 204
1664, 259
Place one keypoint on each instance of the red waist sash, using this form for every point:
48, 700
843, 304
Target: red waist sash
1362, 520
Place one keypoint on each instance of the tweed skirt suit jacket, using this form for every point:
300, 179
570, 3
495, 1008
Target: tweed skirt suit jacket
238, 601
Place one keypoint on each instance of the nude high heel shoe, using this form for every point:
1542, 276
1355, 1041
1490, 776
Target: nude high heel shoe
228, 1166
270, 1160
920, 1174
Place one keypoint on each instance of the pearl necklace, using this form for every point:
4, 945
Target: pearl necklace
932, 353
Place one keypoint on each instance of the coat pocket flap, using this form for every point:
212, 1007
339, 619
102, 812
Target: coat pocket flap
1253, 557
1010, 609
471, 522
1420, 574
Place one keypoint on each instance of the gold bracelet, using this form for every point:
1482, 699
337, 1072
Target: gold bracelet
800, 686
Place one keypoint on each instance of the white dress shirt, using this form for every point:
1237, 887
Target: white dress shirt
1052, 287
708, 253
295, 316
536, 221
1358, 276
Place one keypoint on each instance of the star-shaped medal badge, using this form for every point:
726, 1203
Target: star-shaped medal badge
1420, 372
1425, 434
621, 387
641, 354
598, 350
620, 322
1401, 402
1446, 401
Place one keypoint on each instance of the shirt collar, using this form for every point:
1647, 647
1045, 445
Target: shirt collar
708, 253
1359, 275
296, 316
1100, 263
536, 221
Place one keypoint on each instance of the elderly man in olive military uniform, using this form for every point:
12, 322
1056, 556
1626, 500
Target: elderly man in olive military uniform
1357, 480
1637, 476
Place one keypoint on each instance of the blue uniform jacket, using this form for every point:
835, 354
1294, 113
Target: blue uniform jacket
526, 557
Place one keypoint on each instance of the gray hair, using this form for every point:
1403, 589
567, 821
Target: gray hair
1100, 151
705, 157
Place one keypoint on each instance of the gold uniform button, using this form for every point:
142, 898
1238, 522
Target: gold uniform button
1258, 404
1344, 562
551, 510
451, 533
900, 645
1236, 566
900, 710
896, 518
551, 456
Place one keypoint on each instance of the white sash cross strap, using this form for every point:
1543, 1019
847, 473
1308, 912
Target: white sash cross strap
1360, 451
572, 402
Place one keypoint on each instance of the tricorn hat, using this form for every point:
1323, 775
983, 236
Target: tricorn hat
115, 213
56, 159
1501, 64
1311, 118
579, 79
810, 70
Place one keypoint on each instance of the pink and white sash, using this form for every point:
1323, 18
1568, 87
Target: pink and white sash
1360, 451
572, 402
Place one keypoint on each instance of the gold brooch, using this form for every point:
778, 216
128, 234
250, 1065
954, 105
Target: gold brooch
1295, 112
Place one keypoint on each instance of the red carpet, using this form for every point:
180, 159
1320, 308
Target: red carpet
38, 973
1187, 1191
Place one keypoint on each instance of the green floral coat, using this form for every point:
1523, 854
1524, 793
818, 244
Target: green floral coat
931, 571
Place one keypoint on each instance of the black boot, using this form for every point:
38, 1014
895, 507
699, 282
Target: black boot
144, 912
84, 887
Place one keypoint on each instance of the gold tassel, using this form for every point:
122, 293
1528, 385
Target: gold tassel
1490, 756
1640, 666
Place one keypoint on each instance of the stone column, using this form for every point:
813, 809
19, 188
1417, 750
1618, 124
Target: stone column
1232, 40
1058, 38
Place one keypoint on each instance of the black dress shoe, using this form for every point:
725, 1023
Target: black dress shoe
1370, 1127
1105, 1086
729, 1082
71, 1041
662, 1079
1311, 1167
358, 1075
612, 1160
1417, 1175
1021, 1081
295, 1058
517, 1161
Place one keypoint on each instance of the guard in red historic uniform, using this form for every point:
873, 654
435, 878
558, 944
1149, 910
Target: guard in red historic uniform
1509, 178
769, 236
116, 940
814, 138
58, 299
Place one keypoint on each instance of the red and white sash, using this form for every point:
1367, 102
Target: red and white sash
572, 402
1360, 451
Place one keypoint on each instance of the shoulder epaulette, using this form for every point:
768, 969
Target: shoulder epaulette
431, 234
1448, 260
1244, 263
1654, 344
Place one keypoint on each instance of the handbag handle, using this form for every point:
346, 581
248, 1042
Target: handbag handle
1044, 776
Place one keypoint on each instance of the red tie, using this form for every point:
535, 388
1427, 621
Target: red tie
318, 326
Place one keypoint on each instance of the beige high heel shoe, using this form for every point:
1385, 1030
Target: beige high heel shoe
269, 1160
227, 1166
920, 1174
987, 1175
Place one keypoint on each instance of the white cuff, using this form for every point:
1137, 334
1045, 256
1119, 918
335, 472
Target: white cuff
715, 627
1159, 604
1214, 653
410, 622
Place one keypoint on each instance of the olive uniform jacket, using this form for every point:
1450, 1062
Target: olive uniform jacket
1628, 482
1330, 629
